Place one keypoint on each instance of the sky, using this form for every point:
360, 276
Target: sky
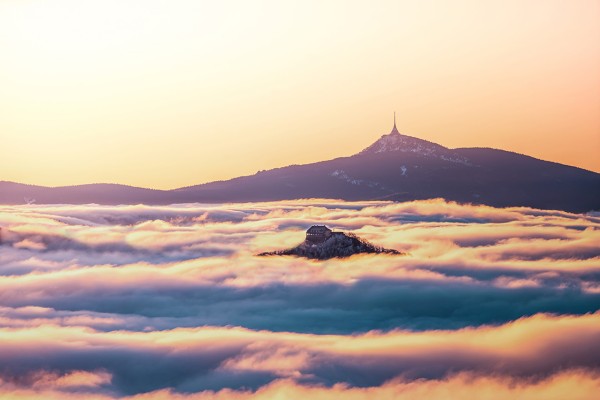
165, 94
172, 303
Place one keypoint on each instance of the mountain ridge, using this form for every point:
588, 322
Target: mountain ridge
395, 167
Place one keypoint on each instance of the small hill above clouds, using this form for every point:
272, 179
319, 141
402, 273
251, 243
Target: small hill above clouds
337, 245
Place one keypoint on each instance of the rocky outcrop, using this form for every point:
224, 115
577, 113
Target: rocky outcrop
338, 245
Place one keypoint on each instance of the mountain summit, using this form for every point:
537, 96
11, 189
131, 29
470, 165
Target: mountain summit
395, 141
396, 167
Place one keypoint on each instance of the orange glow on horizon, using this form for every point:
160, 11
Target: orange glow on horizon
163, 95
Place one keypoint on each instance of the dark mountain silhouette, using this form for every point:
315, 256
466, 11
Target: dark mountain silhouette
100, 193
396, 167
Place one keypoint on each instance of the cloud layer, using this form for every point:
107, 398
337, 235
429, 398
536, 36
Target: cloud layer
171, 301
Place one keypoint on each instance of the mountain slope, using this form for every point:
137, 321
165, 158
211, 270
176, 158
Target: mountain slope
100, 193
395, 167
399, 167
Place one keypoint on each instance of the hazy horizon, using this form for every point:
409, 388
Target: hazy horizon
162, 95
200, 183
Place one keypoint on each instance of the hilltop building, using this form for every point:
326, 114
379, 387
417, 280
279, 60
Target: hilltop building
318, 234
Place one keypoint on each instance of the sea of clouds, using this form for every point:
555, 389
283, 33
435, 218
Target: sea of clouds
171, 302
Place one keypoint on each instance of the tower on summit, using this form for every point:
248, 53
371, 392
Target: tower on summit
394, 129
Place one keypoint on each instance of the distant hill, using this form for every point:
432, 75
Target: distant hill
396, 167
100, 193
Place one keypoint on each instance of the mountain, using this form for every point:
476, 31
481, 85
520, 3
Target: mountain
396, 167
400, 167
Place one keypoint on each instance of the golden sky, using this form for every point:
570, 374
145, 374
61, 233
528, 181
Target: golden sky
165, 94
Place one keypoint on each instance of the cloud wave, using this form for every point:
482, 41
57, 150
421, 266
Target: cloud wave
171, 301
